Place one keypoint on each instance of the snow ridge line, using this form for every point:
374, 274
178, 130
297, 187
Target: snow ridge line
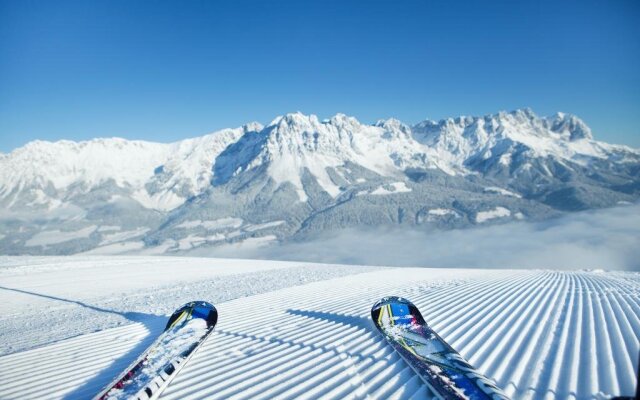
540, 347
618, 349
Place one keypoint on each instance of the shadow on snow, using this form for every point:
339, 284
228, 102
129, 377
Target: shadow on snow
360, 323
153, 323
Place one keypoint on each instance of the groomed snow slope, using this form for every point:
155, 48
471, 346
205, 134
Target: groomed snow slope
539, 334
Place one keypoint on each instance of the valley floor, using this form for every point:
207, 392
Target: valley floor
68, 326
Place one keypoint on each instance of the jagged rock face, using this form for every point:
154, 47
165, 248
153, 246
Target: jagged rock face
299, 175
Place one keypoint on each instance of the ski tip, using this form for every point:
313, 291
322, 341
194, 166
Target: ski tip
396, 301
391, 299
196, 309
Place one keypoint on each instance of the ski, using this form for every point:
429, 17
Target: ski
444, 371
151, 373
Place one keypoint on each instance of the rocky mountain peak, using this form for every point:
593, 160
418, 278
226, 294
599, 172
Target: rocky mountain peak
570, 126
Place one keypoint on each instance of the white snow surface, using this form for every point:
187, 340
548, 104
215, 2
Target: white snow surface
45, 238
111, 238
441, 211
395, 187
498, 212
109, 228
265, 225
504, 192
222, 223
117, 248
68, 326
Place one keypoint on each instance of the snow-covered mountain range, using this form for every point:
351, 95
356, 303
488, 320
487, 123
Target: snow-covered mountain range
299, 175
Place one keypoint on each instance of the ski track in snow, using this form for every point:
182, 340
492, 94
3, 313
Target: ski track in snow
539, 334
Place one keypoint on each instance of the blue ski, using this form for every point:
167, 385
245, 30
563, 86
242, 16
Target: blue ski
146, 378
445, 372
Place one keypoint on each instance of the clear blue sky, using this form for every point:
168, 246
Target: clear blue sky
166, 70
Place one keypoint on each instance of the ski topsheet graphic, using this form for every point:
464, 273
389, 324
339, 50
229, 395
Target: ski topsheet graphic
150, 374
444, 371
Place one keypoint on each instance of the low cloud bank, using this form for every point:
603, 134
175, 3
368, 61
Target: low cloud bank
607, 239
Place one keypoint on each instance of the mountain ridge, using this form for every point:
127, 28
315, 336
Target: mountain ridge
300, 175
336, 117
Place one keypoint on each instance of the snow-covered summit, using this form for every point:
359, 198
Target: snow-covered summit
569, 126
162, 176
294, 144
63, 163
158, 175
514, 138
